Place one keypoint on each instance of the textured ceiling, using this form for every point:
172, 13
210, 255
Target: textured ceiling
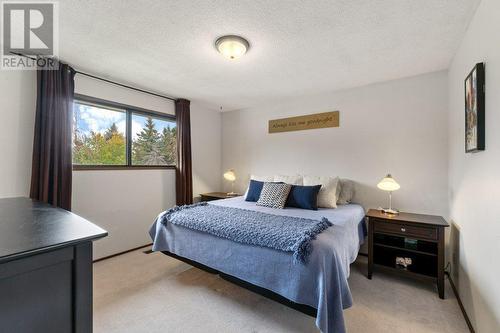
297, 47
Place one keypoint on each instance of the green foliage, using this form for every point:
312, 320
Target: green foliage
149, 148
146, 148
98, 149
112, 130
168, 145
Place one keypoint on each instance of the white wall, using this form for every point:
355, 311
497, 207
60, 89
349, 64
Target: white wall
206, 149
126, 202
17, 111
398, 127
475, 178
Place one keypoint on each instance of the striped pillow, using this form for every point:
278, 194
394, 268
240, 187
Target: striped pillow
274, 195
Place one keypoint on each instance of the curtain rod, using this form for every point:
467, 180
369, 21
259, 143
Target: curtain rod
124, 85
108, 81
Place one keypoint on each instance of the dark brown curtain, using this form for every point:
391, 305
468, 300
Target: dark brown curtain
183, 174
51, 164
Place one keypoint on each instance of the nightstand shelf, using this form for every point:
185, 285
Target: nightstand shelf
403, 273
407, 243
405, 249
416, 237
422, 264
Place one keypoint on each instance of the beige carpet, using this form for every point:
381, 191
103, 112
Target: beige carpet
138, 292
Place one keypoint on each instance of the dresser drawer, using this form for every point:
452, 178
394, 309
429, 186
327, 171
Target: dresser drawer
405, 230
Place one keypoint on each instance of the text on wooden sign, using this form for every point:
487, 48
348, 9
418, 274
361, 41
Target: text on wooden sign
311, 121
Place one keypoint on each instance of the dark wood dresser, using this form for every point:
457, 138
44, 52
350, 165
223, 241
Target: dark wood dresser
45, 268
417, 238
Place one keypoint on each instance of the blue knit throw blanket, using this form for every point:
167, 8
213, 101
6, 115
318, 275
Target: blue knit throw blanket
285, 233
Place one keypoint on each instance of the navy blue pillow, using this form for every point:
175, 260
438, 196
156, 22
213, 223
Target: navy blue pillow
254, 190
305, 197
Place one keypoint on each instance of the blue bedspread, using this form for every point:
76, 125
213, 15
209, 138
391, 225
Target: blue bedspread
321, 283
284, 233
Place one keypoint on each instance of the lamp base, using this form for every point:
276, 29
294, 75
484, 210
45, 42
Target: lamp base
389, 211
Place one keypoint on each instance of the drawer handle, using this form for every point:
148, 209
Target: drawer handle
403, 229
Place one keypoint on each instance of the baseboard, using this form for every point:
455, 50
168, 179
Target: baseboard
123, 252
455, 291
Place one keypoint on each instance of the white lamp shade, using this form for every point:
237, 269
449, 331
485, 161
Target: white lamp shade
230, 175
388, 184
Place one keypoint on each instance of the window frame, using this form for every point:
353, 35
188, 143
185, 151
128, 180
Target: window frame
129, 110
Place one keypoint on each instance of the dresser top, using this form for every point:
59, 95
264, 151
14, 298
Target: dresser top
409, 217
28, 227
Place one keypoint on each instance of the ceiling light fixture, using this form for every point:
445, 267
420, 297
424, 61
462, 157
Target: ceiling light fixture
231, 46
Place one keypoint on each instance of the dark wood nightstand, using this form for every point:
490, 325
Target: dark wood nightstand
417, 237
215, 196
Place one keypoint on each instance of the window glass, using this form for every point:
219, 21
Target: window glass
101, 136
98, 135
153, 140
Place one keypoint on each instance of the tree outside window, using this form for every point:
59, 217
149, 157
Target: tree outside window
100, 137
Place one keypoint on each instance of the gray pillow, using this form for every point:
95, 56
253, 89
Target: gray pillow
346, 192
274, 195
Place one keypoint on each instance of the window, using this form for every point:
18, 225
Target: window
112, 135
153, 141
98, 135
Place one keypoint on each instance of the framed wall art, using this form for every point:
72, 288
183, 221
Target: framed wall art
474, 110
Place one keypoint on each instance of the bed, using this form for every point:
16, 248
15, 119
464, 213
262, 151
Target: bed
319, 284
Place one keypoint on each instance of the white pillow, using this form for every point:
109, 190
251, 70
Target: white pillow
346, 193
327, 196
292, 180
260, 179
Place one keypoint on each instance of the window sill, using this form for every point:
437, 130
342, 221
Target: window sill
121, 167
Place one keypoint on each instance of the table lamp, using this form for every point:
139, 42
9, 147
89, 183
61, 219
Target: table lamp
389, 184
230, 176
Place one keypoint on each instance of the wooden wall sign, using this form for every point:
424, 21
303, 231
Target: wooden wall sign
310, 121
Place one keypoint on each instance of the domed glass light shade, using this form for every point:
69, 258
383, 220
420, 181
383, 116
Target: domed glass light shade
232, 47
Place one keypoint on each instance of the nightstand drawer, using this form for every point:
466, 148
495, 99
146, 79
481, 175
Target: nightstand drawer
406, 230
